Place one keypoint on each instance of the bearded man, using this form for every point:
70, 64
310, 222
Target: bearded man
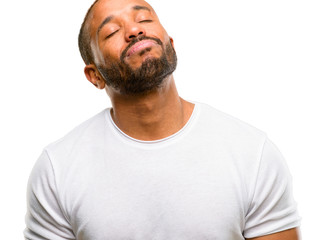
154, 166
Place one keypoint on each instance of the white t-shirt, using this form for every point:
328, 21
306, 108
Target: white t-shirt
217, 178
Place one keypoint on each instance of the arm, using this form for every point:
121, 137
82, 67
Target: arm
291, 234
45, 218
272, 208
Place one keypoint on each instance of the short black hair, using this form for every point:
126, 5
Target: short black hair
84, 38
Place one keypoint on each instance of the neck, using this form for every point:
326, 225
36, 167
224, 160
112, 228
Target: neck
153, 116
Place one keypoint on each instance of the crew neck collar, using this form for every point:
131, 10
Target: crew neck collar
170, 138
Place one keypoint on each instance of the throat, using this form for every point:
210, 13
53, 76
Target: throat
149, 124
153, 116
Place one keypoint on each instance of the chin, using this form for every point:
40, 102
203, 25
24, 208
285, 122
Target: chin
149, 57
143, 59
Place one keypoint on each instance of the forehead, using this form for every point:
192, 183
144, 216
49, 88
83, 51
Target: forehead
119, 4
105, 8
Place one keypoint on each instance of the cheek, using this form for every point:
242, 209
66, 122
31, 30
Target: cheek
97, 55
110, 55
165, 35
159, 32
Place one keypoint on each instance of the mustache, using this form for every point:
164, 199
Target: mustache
136, 40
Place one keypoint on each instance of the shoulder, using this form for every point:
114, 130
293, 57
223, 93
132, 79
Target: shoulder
229, 129
232, 140
81, 136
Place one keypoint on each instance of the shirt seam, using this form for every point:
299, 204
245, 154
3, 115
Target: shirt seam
157, 143
56, 189
257, 175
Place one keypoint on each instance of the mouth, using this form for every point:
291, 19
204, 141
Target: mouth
140, 46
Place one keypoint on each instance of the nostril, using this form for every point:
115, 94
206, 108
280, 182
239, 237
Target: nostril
134, 35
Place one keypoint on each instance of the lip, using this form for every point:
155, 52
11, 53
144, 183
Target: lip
140, 46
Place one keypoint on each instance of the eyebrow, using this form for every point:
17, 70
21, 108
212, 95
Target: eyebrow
109, 18
106, 20
138, 7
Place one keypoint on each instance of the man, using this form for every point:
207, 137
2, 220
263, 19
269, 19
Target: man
154, 166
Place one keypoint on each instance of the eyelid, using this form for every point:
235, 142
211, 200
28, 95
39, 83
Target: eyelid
144, 17
146, 20
110, 35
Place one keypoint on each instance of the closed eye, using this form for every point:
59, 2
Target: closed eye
147, 20
108, 36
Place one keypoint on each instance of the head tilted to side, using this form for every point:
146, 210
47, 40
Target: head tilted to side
125, 47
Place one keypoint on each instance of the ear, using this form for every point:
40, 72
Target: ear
92, 74
172, 41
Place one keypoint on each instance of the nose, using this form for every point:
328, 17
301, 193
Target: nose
133, 31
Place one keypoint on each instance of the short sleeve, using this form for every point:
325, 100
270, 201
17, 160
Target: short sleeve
44, 217
272, 207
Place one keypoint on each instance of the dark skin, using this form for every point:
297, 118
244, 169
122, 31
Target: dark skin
152, 116
158, 113
291, 234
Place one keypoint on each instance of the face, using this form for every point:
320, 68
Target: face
132, 51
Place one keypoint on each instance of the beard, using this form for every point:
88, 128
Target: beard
149, 76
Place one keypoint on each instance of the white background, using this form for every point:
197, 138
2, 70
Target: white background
265, 62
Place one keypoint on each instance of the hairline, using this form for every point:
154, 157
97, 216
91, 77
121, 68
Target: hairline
86, 36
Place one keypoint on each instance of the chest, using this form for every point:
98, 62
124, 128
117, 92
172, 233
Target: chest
149, 199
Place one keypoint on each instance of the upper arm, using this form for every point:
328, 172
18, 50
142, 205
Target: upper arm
291, 234
272, 208
45, 218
